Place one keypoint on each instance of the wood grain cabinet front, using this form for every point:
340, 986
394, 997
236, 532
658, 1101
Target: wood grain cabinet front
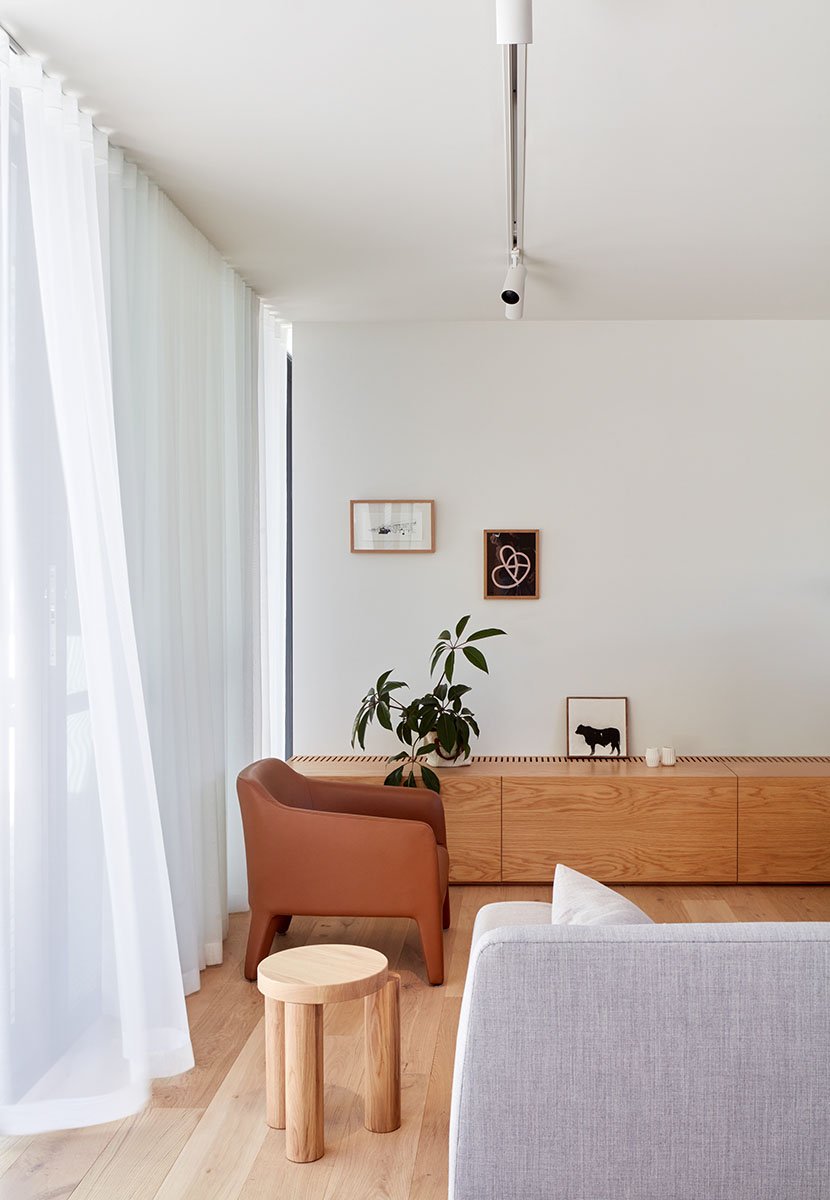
472, 810
671, 826
783, 822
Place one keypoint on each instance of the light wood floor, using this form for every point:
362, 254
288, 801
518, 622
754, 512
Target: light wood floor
204, 1136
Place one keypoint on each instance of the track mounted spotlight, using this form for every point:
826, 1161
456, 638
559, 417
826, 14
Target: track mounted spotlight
513, 291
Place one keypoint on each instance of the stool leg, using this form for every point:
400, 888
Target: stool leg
274, 1063
304, 1082
382, 1044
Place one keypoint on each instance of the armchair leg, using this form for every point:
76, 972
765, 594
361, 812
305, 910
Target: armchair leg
432, 944
260, 936
282, 924
445, 915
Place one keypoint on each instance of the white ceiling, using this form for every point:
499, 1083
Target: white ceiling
346, 155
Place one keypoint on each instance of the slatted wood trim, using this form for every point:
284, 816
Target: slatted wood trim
380, 759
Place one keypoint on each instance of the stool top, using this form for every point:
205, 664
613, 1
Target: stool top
323, 974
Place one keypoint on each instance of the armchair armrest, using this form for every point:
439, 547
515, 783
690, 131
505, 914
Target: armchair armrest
376, 800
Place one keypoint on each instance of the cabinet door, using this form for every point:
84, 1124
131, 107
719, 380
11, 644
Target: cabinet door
784, 827
472, 807
669, 829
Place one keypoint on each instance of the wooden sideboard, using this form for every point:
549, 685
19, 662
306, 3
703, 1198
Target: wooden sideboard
706, 820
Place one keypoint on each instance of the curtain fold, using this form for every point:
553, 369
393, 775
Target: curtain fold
142, 608
186, 342
91, 982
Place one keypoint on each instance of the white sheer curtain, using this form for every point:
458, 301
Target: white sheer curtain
273, 469
189, 399
91, 985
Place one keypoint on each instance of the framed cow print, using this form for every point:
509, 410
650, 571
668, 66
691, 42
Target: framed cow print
597, 726
511, 564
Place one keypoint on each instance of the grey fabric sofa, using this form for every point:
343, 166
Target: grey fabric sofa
642, 1062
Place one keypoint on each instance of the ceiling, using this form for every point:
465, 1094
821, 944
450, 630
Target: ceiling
346, 155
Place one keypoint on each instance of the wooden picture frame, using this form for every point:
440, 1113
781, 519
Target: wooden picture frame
374, 521
511, 564
587, 711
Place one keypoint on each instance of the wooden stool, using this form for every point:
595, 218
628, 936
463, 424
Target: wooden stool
296, 984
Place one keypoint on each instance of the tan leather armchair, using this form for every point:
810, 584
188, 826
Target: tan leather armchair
316, 848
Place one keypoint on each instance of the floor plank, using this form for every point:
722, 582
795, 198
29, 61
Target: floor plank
53, 1165
218, 1156
204, 1135
137, 1160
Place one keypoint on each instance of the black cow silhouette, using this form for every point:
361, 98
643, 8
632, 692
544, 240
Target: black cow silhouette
600, 737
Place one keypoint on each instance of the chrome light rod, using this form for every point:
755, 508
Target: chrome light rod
514, 31
515, 90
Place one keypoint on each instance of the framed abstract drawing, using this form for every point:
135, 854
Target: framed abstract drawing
597, 726
392, 526
511, 564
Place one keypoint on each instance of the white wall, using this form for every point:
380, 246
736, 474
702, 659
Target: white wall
678, 472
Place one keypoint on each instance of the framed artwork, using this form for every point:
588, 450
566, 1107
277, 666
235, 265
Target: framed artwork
392, 526
597, 726
511, 564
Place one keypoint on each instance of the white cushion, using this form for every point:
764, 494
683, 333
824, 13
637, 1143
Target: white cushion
580, 900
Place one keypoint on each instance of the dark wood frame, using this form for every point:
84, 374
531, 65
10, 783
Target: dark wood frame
354, 550
508, 596
604, 757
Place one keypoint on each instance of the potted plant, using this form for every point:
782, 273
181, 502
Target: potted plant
438, 723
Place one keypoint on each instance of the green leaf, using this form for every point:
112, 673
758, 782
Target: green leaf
446, 732
440, 690
393, 779
427, 723
430, 779
382, 680
411, 781
461, 626
436, 658
444, 635
384, 716
458, 689
473, 724
427, 749
449, 665
485, 633
396, 683
476, 658
361, 730
398, 757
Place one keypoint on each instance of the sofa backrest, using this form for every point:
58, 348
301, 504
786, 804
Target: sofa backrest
644, 1062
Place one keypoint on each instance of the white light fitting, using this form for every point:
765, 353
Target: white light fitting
514, 22
514, 31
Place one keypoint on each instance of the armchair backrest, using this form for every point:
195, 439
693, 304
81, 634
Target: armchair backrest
275, 778
644, 1062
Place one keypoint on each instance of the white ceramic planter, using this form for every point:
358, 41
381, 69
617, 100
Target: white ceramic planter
435, 760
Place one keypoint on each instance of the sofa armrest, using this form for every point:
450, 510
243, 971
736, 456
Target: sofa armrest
376, 800
510, 912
